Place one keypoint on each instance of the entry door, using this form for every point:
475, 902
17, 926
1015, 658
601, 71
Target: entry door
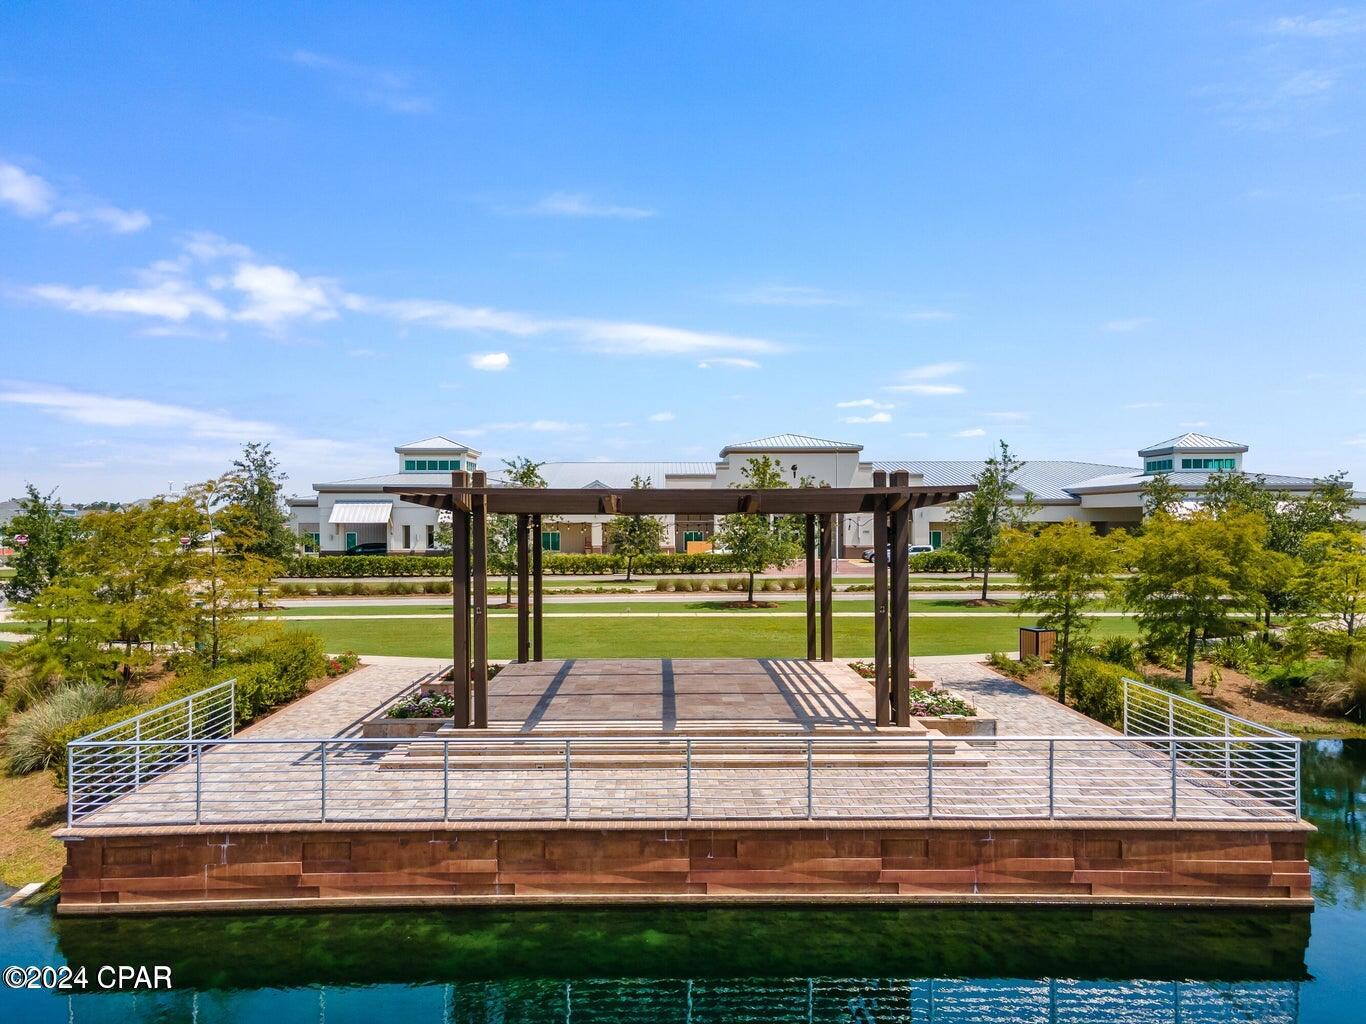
350, 540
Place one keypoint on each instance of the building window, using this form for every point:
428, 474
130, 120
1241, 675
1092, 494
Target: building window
1157, 466
691, 535
936, 538
430, 465
315, 540
431, 536
550, 540
407, 536
1216, 464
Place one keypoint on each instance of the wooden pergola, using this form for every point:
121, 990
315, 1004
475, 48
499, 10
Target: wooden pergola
470, 500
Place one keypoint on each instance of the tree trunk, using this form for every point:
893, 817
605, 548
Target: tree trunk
751, 588
629, 559
507, 592
1064, 657
1190, 656
986, 569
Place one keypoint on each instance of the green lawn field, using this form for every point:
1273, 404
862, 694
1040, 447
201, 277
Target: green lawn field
645, 605
761, 637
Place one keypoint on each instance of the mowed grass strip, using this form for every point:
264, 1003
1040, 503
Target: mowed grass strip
644, 607
760, 637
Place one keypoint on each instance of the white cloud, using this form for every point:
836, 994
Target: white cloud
971, 432
489, 360
26, 194
109, 411
1146, 404
877, 417
1194, 424
933, 371
580, 204
864, 403
661, 417
1133, 323
30, 196
375, 87
1333, 25
789, 295
277, 294
1357, 442
624, 338
929, 390
169, 299
447, 315
731, 362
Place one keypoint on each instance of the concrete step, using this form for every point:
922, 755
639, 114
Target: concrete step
621, 760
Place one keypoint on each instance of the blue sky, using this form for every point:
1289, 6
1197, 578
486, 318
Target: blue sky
640, 231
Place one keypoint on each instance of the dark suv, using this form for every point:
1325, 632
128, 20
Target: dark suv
374, 547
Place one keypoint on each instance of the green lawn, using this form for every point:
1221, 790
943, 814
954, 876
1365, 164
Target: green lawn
761, 637
702, 604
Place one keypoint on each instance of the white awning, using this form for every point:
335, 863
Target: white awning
351, 513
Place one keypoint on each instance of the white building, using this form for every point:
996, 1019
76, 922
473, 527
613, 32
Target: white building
350, 513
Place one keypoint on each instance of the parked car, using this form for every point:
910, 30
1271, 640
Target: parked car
913, 549
374, 547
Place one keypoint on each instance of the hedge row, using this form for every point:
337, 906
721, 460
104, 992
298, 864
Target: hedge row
273, 673
554, 565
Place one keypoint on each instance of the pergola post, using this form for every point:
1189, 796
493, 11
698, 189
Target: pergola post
537, 589
827, 587
881, 613
900, 604
460, 617
479, 570
523, 602
810, 546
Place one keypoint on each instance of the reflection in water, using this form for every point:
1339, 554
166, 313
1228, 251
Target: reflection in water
857, 965
816, 1001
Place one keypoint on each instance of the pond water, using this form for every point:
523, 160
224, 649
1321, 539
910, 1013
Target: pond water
1040, 965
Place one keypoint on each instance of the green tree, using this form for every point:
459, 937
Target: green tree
1161, 495
980, 517
1290, 520
502, 529
1060, 569
757, 541
634, 536
255, 487
228, 574
1333, 579
46, 531
1192, 575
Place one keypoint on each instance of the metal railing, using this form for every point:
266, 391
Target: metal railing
1219, 749
526, 778
120, 758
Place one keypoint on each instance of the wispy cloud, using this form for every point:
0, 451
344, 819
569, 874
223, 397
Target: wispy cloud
971, 432
661, 417
1009, 416
1145, 404
789, 295
1336, 24
863, 403
375, 87
1125, 326
877, 417
730, 362
32, 197
109, 411
535, 426
581, 204
223, 281
916, 381
492, 361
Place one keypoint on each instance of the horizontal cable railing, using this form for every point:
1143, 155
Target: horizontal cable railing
1219, 750
519, 778
118, 759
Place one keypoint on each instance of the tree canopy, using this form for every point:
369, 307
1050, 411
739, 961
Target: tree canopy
757, 541
980, 517
635, 535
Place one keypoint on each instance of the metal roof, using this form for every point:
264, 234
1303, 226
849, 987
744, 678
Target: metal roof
619, 474
1188, 479
1047, 480
436, 443
1193, 442
351, 513
374, 483
791, 443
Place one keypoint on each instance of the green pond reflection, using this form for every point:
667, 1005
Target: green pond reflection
848, 964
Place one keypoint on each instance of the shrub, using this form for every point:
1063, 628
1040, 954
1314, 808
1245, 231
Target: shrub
1343, 692
943, 560
342, 663
932, 703
1097, 689
1292, 675
1006, 665
1118, 650
431, 705
661, 585
35, 738
737, 584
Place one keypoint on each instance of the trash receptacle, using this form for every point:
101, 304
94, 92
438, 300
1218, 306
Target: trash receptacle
1037, 642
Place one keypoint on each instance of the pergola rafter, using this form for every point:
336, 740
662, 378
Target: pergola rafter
469, 499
